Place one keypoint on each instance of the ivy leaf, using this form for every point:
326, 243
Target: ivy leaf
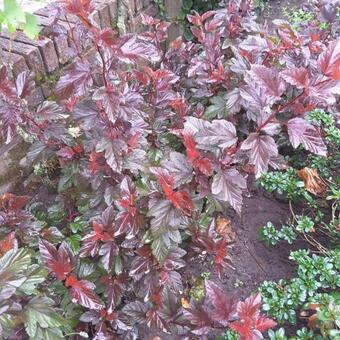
261, 149
13, 14
302, 132
227, 186
39, 313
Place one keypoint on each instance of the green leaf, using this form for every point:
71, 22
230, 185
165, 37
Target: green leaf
160, 249
48, 334
12, 271
36, 276
30, 27
69, 177
74, 243
13, 11
41, 317
218, 108
78, 225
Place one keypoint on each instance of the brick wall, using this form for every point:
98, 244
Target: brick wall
46, 57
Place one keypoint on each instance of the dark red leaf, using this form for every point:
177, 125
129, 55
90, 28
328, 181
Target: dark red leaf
24, 84
198, 161
81, 8
251, 323
269, 79
82, 292
108, 251
142, 263
7, 87
199, 318
57, 261
7, 243
302, 132
329, 60
261, 149
115, 287
76, 81
298, 77
180, 199
224, 306
227, 186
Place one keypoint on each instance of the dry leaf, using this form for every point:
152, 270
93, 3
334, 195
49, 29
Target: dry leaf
313, 182
223, 227
312, 321
7, 243
185, 303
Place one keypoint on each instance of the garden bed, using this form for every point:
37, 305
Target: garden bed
182, 193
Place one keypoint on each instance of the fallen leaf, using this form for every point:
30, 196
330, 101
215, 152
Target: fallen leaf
312, 321
7, 243
313, 182
185, 303
223, 227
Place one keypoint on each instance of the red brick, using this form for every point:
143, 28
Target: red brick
139, 5
152, 11
95, 18
16, 62
30, 53
104, 14
45, 46
61, 43
113, 9
46, 12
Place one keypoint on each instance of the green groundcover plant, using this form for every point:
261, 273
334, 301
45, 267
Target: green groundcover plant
143, 149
